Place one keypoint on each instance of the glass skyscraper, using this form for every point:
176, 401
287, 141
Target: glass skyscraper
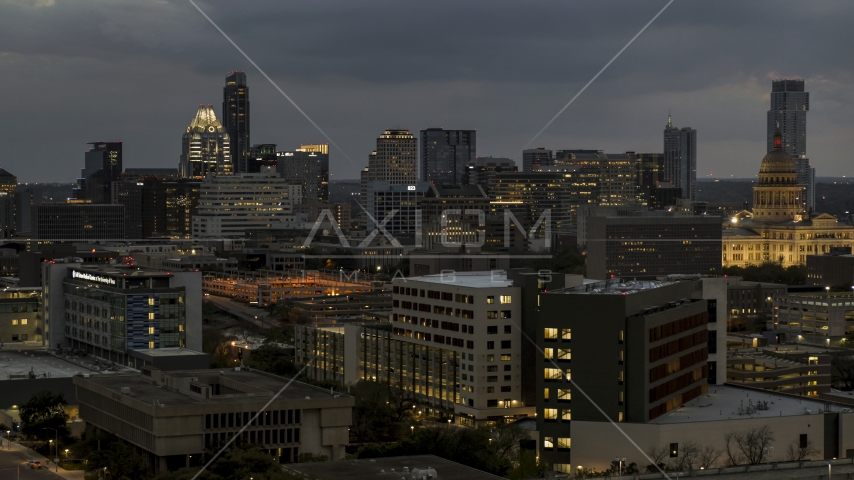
235, 119
445, 154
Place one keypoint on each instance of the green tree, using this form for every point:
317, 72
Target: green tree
273, 359
44, 410
120, 461
238, 462
771, 272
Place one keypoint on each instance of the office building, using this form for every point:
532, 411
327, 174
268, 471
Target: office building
647, 353
116, 312
205, 146
655, 245
177, 418
531, 195
313, 210
751, 298
617, 179
393, 161
453, 216
103, 165
534, 158
788, 113
680, 158
158, 206
396, 207
260, 156
453, 344
416, 466
230, 204
8, 204
777, 229
21, 315
821, 319
307, 166
235, 119
445, 154
482, 170
652, 191
834, 269
806, 178
66, 222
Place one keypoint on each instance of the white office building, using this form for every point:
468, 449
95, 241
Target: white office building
228, 205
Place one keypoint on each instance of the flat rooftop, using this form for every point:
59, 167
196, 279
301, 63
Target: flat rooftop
145, 390
168, 352
491, 279
770, 362
725, 402
614, 286
17, 361
391, 468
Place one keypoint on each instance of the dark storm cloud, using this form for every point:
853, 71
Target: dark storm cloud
136, 70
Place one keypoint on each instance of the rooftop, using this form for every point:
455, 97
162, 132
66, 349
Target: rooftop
491, 279
257, 386
391, 468
726, 402
17, 361
614, 286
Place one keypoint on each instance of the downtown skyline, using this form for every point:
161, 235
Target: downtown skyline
139, 78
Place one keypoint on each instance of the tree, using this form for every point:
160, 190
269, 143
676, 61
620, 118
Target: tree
273, 359
842, 370
218, 345
507, 440
708, 457
373, 415
120, 461
656, 454
44, 410
750, 446
688, 453
798, 451
238, 462
401, 402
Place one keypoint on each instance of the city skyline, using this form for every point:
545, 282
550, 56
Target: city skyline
719, 90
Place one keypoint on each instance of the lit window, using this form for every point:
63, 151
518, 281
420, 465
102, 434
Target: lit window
564, 394
490, 300
23, 321
563, 442
151, 330
553, 374
548, 442
550, 414
566, 334
564, 354
545, 394
151, 315
566, 415
505, 299
620, 417
151, 300
14, 321
150, 344
549, 352
505, 357
550, 333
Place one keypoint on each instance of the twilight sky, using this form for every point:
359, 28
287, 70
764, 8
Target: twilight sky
135, 70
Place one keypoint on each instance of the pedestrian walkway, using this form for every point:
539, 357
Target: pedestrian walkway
22, 454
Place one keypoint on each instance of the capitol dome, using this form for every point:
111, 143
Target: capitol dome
777, 161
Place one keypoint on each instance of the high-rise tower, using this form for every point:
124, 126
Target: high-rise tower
103, 166
445, 154
788, 113
680, 158
235, 118
205, 146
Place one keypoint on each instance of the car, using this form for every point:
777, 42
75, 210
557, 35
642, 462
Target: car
35, 465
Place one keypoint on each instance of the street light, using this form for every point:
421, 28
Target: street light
66, 454
55, 459
9, 438
620, 461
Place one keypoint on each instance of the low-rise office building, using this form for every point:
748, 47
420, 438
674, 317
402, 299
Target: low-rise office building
175, 418
744, 297
835, 269
111, 311
652, 245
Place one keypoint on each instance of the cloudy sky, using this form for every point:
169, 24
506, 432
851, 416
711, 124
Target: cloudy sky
135, 70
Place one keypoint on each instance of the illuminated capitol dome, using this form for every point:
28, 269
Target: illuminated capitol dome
205, 146
778, 229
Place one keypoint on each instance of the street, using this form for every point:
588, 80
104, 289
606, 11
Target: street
18, 456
